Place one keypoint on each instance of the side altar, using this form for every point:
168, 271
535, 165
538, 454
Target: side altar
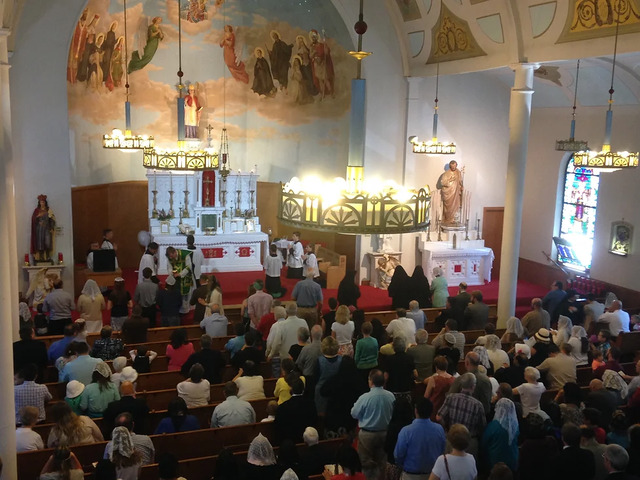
219, 209
470, 261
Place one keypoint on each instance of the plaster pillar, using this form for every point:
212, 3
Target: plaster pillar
519, 121
9, 271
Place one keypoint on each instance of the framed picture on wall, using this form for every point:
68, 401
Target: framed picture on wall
621, 236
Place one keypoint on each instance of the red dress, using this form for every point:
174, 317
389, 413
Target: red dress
440, 389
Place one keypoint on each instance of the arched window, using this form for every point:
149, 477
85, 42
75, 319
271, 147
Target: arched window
579, 205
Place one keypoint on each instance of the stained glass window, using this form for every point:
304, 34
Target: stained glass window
579, 206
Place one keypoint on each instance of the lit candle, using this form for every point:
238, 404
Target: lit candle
60, 257
26, 259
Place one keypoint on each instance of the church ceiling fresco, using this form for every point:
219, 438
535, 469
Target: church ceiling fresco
274, 69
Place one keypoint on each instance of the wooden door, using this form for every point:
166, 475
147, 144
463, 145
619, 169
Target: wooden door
492, 220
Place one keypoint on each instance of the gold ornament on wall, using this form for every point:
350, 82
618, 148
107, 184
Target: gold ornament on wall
597, 18
451, 39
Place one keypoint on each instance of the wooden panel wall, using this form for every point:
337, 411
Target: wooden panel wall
267, 205
492, 220
120, 206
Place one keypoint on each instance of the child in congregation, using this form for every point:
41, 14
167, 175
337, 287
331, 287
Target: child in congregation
142, 358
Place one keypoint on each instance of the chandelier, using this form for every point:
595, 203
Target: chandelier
433, 146
126, 140
353, 204
185, 157
573, 145
606, 159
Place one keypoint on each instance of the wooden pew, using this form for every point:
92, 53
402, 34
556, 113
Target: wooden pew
184, 445
202, 413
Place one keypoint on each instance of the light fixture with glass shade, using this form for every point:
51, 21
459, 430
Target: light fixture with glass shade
573, 145
117, 138
353, 205
607, 160
187, 156
433, 146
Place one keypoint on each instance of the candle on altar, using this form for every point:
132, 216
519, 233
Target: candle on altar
155, 180
60, 259
186, 187
26, 259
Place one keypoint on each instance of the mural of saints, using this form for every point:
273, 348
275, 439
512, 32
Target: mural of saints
262, 79
78, 43
280, 57
322, 65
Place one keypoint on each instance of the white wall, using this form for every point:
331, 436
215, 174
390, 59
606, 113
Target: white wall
40, 123
618, 194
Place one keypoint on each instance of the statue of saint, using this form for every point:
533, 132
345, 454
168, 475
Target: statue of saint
43, 224
192, 110
450, 186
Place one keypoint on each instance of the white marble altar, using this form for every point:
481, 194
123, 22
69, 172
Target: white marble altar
470, 262
219, 211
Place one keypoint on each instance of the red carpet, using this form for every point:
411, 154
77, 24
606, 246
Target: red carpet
235, 286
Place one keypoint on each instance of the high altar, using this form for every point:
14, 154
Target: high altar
469, 262
219, 210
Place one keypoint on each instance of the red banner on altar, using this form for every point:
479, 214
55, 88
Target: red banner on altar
244, 251
213, 252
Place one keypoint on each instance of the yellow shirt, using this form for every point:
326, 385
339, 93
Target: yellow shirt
282, 390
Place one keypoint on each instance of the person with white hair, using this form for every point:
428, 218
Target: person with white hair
530, 393
315, 456
423, 355
617, 319
537, 318
616, 460
439, 288
417, 315
497, 356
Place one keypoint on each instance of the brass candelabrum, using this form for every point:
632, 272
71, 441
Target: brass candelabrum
154, 212
206, 198
170, 212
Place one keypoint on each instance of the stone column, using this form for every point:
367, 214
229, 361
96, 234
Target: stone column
519, 121
9, 271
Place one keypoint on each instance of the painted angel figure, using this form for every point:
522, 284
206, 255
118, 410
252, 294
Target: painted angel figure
232, 55
154, 35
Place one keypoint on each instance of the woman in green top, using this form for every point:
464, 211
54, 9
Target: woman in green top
439, 289
366, 350
74, 396
99, 393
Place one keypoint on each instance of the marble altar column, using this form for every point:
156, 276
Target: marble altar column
8, 271
519, 121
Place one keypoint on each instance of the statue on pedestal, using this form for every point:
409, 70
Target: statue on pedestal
43, 224
192, 111
451, 187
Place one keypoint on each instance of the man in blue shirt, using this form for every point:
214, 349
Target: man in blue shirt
373, 411
308, 296
419, 444
57, 348
80, 369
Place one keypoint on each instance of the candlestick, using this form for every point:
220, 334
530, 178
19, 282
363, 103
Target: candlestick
26, 260
170, 181
170, 212
155, 180
60, 259
477, 228
466, 230
154, 212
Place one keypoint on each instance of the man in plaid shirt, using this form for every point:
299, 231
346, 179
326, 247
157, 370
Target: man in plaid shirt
29, 393
463, 408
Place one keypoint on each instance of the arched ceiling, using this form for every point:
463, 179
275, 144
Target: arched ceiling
477, 35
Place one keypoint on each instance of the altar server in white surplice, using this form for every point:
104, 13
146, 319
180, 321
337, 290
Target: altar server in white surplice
149, 260
310, 261
294, 259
